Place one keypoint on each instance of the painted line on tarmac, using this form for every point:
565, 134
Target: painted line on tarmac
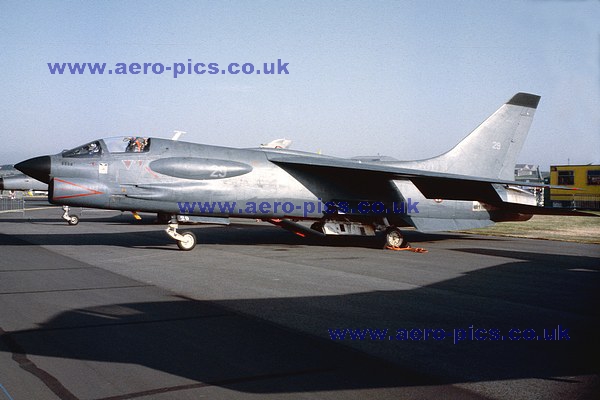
5, 392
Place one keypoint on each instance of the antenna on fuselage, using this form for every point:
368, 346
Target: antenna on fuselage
277, 144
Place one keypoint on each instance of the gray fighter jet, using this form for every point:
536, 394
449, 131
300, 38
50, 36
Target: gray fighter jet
469, 186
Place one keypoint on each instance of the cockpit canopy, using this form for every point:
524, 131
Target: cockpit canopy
121, 144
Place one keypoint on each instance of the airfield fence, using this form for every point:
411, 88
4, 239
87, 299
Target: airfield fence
12, 204
580, 202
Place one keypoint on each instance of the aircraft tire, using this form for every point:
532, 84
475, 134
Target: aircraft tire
394, 238
189, 241
73, 220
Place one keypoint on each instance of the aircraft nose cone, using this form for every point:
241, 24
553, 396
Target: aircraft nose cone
1, 184
38, 168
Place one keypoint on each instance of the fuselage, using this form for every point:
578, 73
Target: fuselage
173, 177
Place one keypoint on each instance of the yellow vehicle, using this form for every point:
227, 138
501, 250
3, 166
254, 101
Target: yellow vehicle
584, 177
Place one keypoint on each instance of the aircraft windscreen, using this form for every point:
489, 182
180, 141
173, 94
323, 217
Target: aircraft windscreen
127, 144
92, 149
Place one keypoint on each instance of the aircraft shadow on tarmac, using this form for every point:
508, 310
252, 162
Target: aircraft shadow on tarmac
235, 234
209, 343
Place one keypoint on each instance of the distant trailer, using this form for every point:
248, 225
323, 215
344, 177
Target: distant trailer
584, 177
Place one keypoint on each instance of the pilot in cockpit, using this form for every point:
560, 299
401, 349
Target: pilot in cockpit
136, 144
93, 148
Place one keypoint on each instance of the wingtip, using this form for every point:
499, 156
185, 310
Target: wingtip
525, 100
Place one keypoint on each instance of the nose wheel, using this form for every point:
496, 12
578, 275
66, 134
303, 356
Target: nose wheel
186, 240
71, 219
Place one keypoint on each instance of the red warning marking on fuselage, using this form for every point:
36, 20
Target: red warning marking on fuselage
89, 192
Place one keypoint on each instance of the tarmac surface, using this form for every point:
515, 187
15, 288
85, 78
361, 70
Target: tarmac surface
111, 309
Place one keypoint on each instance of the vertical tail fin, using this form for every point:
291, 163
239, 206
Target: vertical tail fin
491, 150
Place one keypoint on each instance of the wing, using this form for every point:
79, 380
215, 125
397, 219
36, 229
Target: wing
433, 185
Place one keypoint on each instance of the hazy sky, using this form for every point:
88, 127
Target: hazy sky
407, 79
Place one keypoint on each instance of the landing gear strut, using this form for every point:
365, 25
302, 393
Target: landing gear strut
71, 219
186, 240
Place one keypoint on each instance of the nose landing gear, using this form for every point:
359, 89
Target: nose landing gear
71, 219
186, 240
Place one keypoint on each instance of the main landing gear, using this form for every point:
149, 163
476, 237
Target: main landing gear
186, 240
395, 241
71, 219
394, 238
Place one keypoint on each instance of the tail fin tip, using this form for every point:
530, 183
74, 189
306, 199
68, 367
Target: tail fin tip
525, 100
